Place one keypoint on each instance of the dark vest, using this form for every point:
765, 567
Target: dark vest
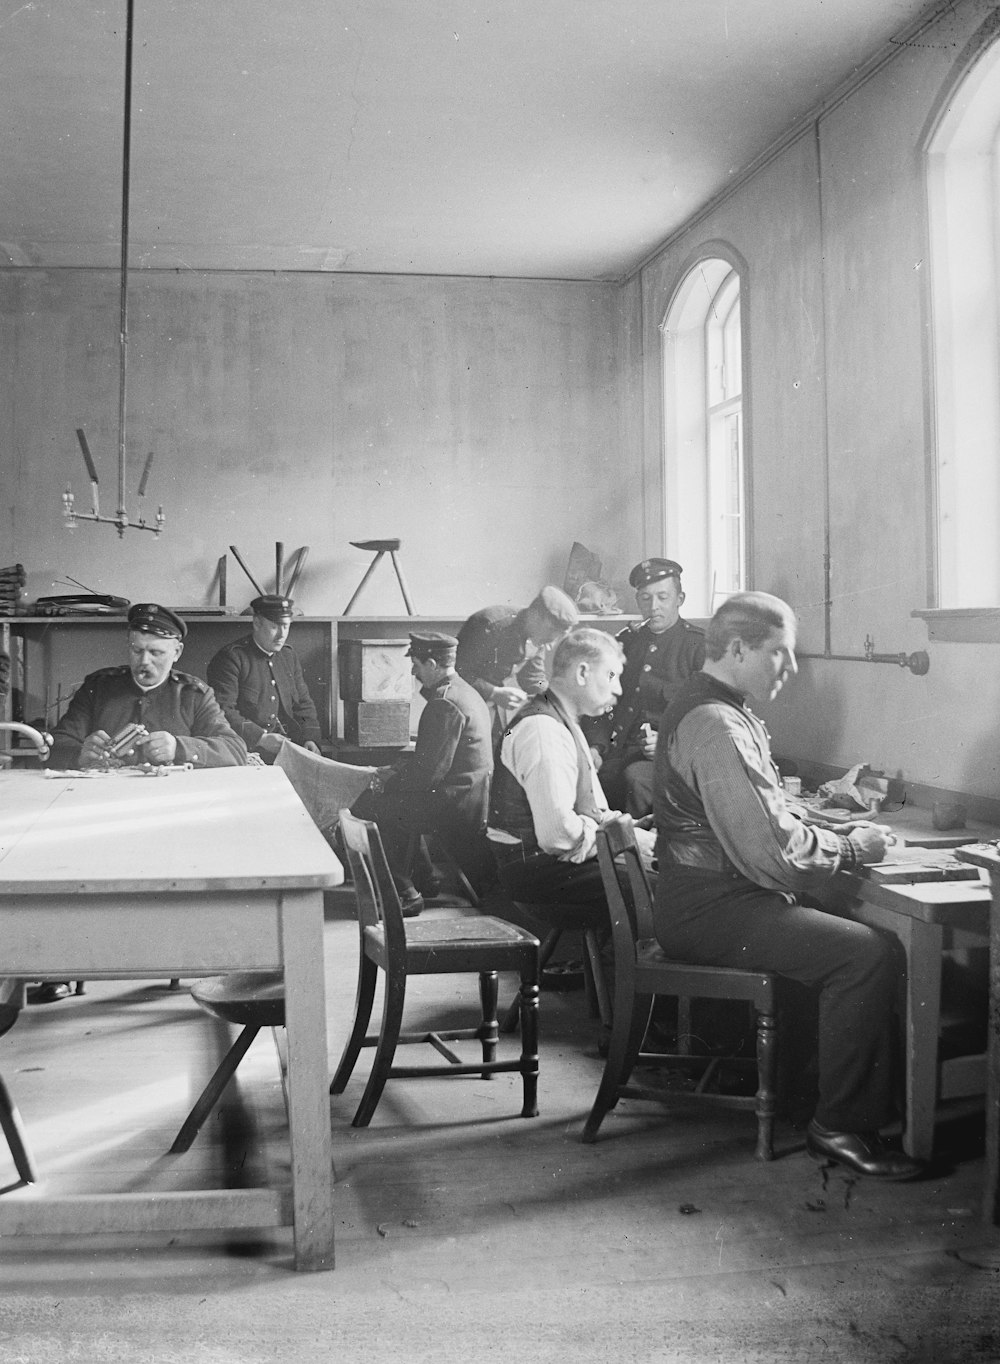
509, 807
679, 811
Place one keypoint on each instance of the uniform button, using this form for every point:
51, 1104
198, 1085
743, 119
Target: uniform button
653, 648
647, 668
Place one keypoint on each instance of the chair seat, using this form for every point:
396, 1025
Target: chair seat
650, 956
467, 943
248, 998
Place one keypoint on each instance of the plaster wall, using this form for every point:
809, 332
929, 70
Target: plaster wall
477, 420
831, 234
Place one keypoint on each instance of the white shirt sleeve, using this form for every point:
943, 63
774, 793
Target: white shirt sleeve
543, 757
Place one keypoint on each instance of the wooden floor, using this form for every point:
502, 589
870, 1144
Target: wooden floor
465, 1232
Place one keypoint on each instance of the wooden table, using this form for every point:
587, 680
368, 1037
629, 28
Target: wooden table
983, 855
925, 916
191, 873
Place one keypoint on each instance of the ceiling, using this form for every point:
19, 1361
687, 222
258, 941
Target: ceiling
524, 138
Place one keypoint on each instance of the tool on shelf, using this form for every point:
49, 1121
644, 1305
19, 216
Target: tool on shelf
380, 548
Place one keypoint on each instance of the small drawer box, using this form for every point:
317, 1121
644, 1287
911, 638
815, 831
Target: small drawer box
376, 724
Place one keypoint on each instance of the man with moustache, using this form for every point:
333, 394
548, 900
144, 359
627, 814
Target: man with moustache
546, 803
183, 720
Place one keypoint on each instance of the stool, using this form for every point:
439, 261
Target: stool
252, 1000
380, 548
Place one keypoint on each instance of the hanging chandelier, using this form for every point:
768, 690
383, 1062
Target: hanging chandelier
121, 519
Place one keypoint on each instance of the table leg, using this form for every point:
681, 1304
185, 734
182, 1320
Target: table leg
308, 1080
923, 944
991, 1179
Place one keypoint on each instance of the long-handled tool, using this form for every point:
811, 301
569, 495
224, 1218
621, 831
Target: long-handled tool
300, 564
239, 559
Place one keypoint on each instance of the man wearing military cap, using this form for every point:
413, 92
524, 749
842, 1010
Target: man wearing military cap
181, 717
444, 786
259, 683
660, 653
502, 651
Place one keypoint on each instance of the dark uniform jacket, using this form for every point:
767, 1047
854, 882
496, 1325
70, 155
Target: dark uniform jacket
182, 705
655, 667
263, 693
492, 645
453, 758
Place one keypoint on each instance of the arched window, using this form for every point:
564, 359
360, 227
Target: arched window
705, 478
963, 189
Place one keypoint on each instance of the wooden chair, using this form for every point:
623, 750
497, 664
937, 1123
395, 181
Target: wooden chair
10, 1118
643, 970
404, 947
250, 999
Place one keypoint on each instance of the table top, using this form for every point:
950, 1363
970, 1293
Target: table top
981, 855
227, 828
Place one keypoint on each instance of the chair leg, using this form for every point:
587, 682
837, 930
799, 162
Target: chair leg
528, 998
548, 945
212, 1092
489, 1032
392, 1020
767, 1072
628, 1030
597, 976
367, 977
10, 1121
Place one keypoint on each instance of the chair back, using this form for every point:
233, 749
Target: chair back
374, 888
626, 886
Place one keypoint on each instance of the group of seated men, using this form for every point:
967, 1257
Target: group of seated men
735, 862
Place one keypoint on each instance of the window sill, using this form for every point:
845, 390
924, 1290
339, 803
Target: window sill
962, 625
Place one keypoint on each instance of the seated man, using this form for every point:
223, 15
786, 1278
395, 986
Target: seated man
444, 787
660, 653
182, 717
502, 651
734, 860
547, 803
258, 683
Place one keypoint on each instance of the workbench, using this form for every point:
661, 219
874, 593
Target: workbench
127, 876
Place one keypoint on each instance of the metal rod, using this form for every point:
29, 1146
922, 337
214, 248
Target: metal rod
123, 302
279, 565
918, 663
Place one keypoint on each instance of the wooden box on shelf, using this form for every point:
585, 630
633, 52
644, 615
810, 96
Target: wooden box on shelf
375, 724
375, 670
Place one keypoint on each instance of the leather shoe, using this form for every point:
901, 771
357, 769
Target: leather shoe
412, 902
47, 992
864, 1153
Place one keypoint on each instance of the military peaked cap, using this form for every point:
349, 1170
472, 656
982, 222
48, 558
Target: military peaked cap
652, 570
156, 620
273, 607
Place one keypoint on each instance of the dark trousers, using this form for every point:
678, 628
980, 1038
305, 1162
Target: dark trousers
714, 919
540, 879
628, 785
402, 815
